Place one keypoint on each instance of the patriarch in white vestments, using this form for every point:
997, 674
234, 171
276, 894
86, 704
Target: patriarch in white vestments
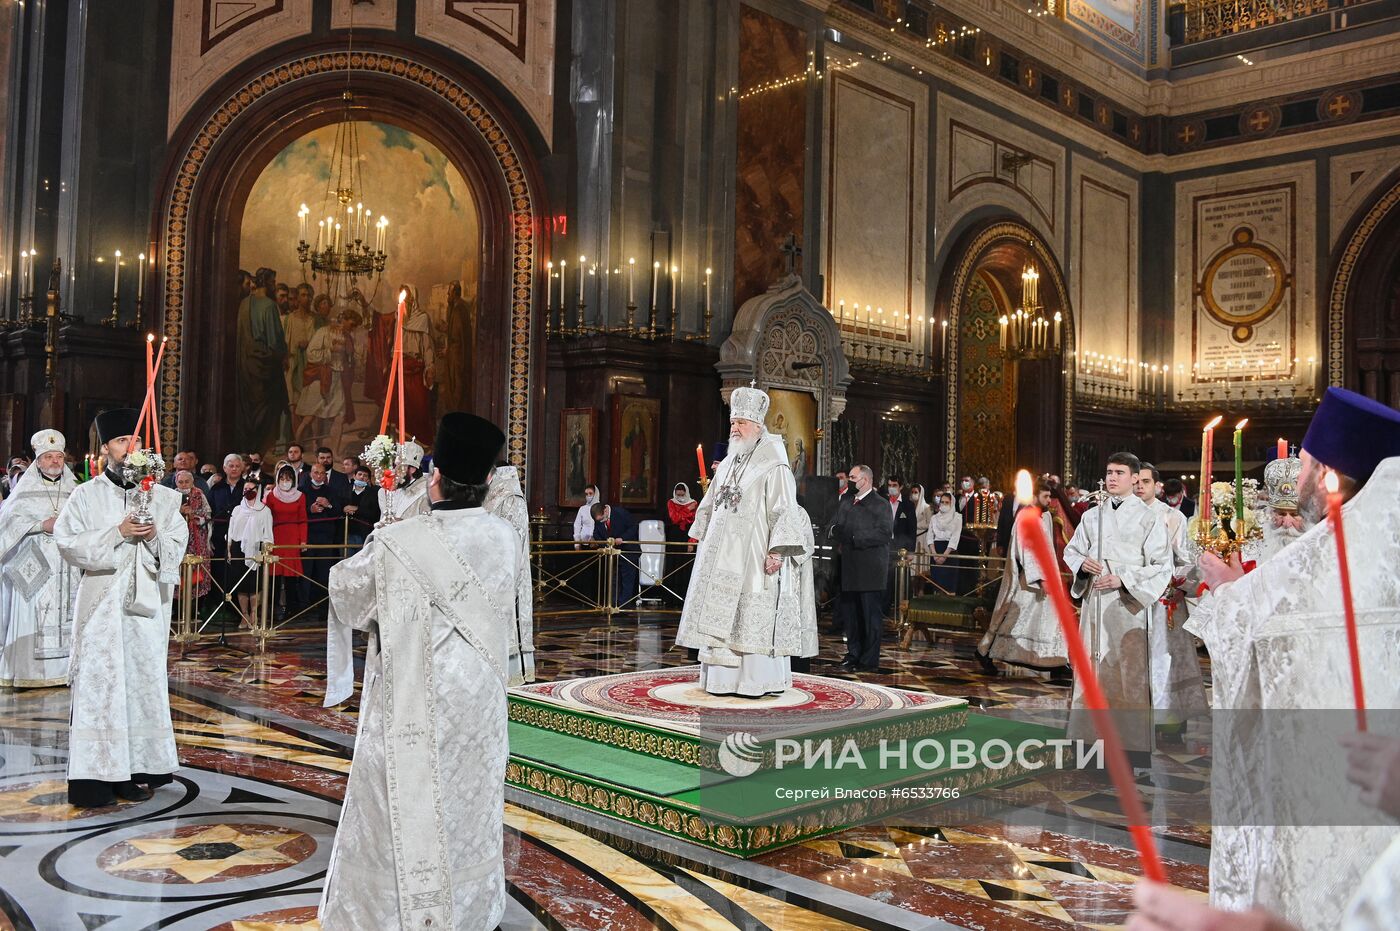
120, 742
37, 587
420, 838
750, 606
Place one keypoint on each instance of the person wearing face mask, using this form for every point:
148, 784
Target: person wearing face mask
844, 486
325, 526
583, 521
37, 587
121, 743
289, 509
363, 507
964, 494
1174, 494
194, 508
944, 534
249, 532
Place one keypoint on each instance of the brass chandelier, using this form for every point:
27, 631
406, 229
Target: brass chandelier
350, 240
1028, 333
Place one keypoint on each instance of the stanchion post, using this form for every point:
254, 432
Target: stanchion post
609, 574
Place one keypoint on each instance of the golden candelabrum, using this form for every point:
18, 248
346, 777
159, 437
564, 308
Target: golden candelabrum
1225, 533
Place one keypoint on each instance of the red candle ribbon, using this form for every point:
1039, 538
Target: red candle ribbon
1334, 517
1029, 528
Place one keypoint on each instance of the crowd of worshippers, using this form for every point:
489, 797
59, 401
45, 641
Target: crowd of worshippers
311, 512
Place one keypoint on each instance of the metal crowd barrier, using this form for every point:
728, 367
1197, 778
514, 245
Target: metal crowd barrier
585, 579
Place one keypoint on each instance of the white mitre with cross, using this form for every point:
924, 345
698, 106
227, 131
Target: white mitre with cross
748, 404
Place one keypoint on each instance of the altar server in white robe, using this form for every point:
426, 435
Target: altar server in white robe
1277, 640
1024, 629
1119, 584
506, 499
37, 588
121, 741
420, 837
750, 606
410, 497
1178, 692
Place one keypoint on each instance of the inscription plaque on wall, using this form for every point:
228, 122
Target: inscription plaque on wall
1244, 315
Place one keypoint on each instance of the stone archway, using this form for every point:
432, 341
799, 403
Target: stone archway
1364, 303
981, 268
785, 339
211, 161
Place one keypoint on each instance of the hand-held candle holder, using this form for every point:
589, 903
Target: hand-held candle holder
143, 468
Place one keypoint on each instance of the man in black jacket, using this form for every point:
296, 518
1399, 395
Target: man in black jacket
325, 525
864, 530
617, 523
905, 535
362, 506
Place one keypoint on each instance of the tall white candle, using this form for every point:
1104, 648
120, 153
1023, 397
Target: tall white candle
707, 290
655, 270
116, 274
548, 287
631, 280
359, 219
140, 276
581, 273
674, 270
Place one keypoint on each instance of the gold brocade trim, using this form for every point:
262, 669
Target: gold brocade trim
701, 752
1341, 283
735, 836
476, 115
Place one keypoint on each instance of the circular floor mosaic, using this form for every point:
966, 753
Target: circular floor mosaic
206, 853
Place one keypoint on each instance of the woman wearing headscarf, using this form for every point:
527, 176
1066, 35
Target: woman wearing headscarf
194, 507
288, 507
249, 532
923, 515
680, 514
944, 533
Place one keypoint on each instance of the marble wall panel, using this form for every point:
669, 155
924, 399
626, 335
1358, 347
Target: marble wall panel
770, 169
1246, 283
975, 174
1355, 178
513, 40
1104, 258
874, 195
381, 14
211, 38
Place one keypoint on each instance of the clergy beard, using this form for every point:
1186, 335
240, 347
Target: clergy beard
1312, 507
738, 446
53, 476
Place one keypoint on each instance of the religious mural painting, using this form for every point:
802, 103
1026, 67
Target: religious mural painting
793, 415
988, 404
578, 454
636, 434
314, 358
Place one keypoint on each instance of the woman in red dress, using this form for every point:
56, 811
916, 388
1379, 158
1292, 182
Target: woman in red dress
680, 514
288, 507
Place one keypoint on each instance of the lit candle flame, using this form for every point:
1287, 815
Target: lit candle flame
150, 337
1023, 487
1240, 425
1215, 423
403, 295
1329, 479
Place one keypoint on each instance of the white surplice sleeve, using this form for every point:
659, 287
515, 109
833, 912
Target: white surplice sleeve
1146, 583
354, 605
90, 548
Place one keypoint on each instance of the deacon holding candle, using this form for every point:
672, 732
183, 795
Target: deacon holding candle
1278, 640
1121, 558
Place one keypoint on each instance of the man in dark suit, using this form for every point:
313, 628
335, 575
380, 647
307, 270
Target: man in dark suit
362, 507
325, 510
905, 535
1174, 493
864, 531
185, 461
223, 498
339, 481
617, 523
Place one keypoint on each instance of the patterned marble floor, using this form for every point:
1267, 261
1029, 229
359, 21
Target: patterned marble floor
241, 839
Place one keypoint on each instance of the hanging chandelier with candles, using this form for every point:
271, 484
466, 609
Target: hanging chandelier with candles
1028, 333
349, 239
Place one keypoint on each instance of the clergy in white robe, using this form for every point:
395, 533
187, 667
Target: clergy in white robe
1178, 692
750, 606
410, 497
420, 838
37, 587
1281, 523
121, 740
1277, 641
1024, 629
1119, 574
506, 499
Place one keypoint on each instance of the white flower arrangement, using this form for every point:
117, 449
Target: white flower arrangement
381, 453
139, 459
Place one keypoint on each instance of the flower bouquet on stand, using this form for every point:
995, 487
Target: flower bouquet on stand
383, 456
144, 468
